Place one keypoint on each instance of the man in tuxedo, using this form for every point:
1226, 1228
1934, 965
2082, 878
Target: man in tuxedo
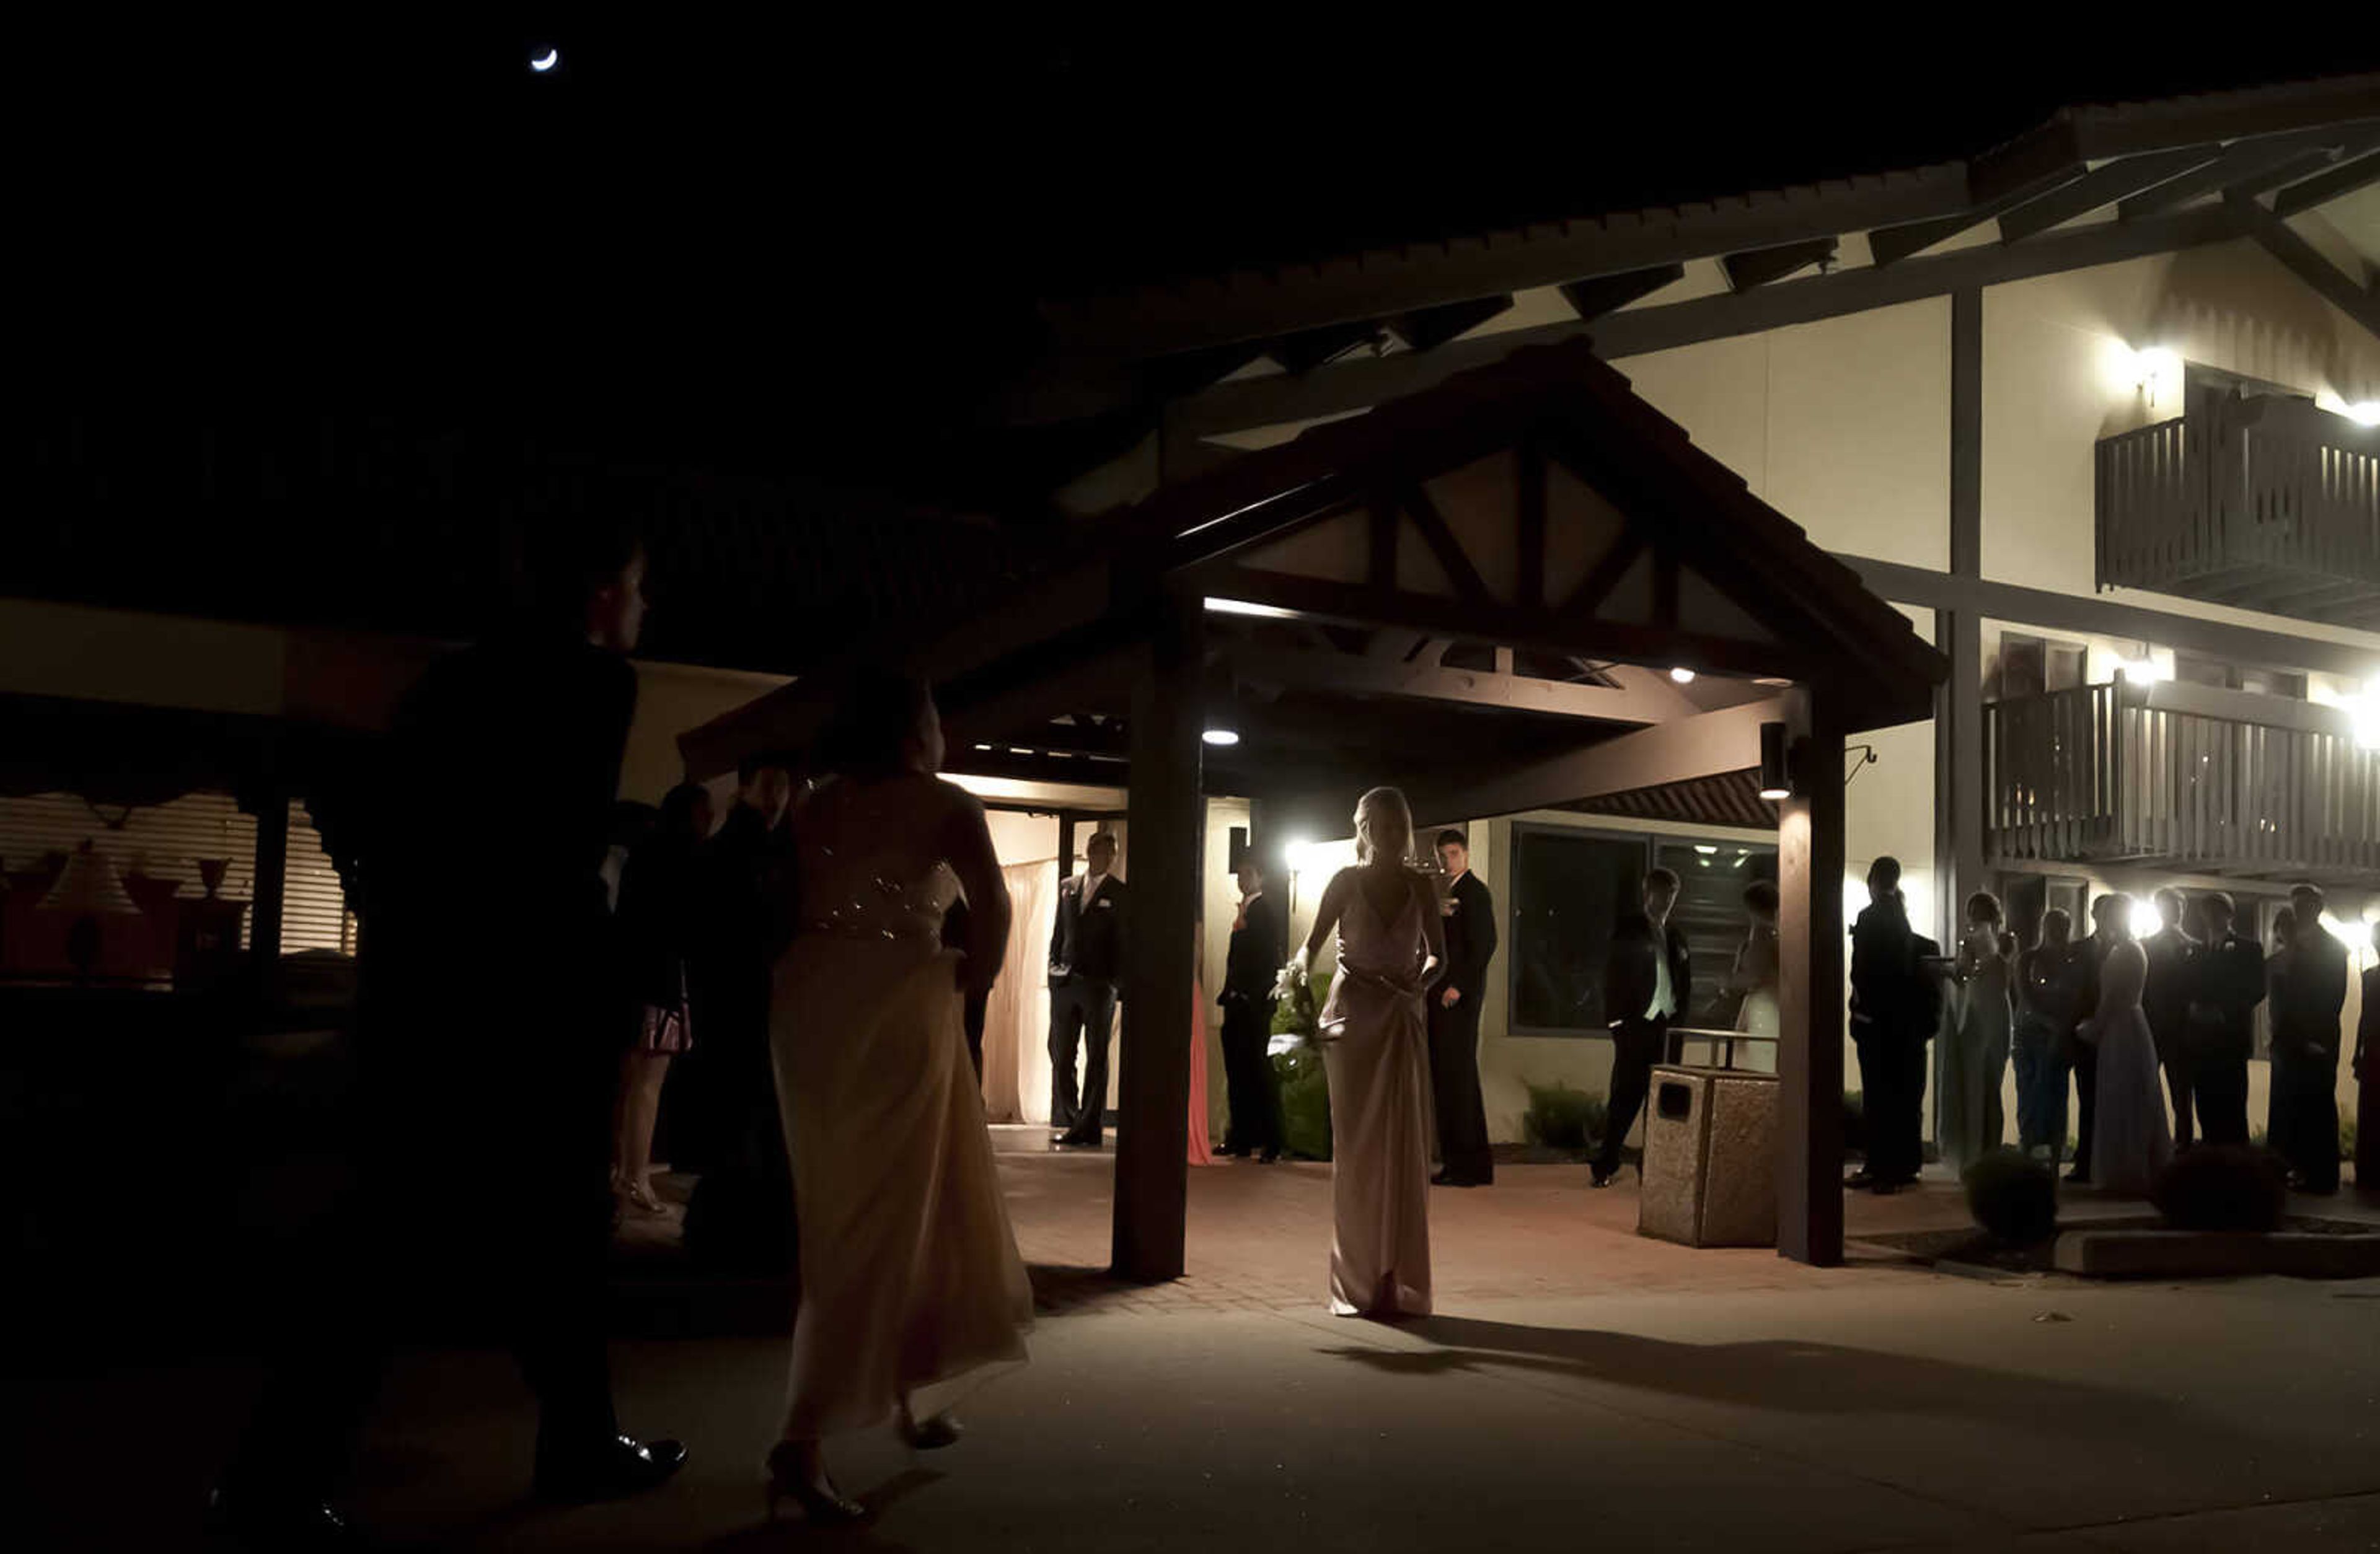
2225, 980
2110, 926
1647, 979
2166, 1001
2303, 1124
1895, 1000
488, 1020
1463, 1150
741, 1211
1085, 962
1260, 945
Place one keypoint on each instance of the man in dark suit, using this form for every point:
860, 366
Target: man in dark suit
2224, 978
2367, 1081
1648, 979
1260, 945
2109, 927
1463, 1149
2303, 1124
2166, 1001
1895, 1000
488, 1020
741, 1211
1085, 962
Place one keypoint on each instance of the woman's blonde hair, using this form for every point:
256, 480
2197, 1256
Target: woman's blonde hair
1383, 826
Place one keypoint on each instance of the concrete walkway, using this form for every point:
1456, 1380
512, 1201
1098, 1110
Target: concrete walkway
1581, 1389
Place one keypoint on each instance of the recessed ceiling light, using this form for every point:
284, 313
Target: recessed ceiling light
1221, 737
1683, 676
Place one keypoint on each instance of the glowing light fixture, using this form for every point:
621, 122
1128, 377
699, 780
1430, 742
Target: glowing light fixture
2364, 712
546, 61
2144, 671
1683, 676
2144, 918
1221, 737
1774, 684
1776, 782
1243, 607
2364, 412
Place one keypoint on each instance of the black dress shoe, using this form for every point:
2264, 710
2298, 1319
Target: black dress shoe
1269, 1157
608, 1471
1079, 1141
1443, 1180
1602, 1176
1860, 1178
280, 1523
2079, 1176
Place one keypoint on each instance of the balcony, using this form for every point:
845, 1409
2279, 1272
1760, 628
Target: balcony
2201, 781
2265, 504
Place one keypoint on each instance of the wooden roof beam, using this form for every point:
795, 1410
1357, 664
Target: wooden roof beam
1599, 294
1351, 674
1431, 327
2357, 300
2101, 187
1710, 744
1888, 245
1758, 267
2238, 164
2344, 178
1308, 349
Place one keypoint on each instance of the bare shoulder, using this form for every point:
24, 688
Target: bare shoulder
954, 802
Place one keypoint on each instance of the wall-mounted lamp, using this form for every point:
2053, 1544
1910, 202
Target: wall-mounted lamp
2364, 412
1776, 778
1222, 737
1682, 676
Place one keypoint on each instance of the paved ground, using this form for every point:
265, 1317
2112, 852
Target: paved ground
1581, 1388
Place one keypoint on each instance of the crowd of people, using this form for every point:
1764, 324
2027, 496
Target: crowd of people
2121, 1025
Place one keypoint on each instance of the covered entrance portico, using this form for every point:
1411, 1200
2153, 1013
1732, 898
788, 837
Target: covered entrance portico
1478, 594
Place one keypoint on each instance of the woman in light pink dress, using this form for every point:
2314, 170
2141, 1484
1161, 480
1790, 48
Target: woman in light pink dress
1374, 1040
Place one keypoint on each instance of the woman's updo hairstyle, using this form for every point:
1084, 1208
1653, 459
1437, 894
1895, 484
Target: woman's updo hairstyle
881, 710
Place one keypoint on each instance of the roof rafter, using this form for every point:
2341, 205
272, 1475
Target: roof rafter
2101, 187
2238, 164
1355, 675
2344, 178
2276, 237
1758, 267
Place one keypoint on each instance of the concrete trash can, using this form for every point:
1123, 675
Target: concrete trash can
1710, 1158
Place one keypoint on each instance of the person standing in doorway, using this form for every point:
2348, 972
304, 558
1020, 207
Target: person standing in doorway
1645, 984
1260, 945
2049, 987
2226, 978
1464, 1157
2303, 1124
1086, 964
2167, 1004
2109, 927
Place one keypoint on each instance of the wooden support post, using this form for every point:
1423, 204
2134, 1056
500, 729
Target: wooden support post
270, 807
1959, 774
1153, 1098
1065, 845
1811, 947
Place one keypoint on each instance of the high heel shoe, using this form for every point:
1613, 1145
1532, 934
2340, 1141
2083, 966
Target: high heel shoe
929, 1435
820, 1502
642, 1193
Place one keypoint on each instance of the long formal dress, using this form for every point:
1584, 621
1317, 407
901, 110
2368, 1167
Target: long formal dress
2130, 1142
910, 1274
1376, 1055
1972, 1121
1201, 1149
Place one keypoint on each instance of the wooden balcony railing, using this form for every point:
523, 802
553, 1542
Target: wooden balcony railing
2213, 781
2264, 503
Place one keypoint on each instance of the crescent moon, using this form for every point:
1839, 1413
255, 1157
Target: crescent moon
553, 57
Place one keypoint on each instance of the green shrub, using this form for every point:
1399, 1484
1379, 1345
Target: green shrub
1562, 1118
2014, 1200
2346, 1137
1304, 1102
2222, 1187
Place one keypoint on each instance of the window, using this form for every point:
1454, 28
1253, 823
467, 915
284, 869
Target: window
1570, 888
2031, 665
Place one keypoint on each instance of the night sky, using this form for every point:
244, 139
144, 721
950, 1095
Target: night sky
846, 224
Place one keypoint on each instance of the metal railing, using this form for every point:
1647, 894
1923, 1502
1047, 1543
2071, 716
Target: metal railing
1722, 1044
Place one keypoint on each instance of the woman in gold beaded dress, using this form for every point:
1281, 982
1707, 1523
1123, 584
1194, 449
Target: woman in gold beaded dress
910, 1274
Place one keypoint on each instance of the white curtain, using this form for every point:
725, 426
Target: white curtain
1015, 1051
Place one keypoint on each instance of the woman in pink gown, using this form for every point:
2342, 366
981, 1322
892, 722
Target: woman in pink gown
1374, 1040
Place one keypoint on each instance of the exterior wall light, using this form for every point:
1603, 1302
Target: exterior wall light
1683, 676
2364, 412
1776, 779
1222, 736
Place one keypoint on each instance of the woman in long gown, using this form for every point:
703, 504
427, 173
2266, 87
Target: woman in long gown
2130, 1140
910, 1274
1754, 978
1973, 1120
1375, 1038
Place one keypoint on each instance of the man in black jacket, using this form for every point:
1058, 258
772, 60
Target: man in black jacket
2225, 977
2109, 927
1895, 1003
1646, 981
1086, 964
2165, 999
1463, 1149
2304, 1123
1260, 945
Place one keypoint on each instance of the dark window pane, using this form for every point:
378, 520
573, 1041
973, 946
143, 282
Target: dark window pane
1569, 888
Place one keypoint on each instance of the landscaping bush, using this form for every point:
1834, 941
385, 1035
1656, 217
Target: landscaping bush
2014, 1200
1562, 1118
1304, 1102
2222, 1187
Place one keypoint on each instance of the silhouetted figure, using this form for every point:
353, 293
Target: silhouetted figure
1971, 1060
2303, 1124
484, 931
2167, 1004
1251, 969
1470, 923
2109, 928
1375, 1042
2226, 982
2367, 1081
1896, 1003
1086, 964
1648, 977
2130, 1140
911, 1278
741, 1214
657, 915
2049, 985
1753, 979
